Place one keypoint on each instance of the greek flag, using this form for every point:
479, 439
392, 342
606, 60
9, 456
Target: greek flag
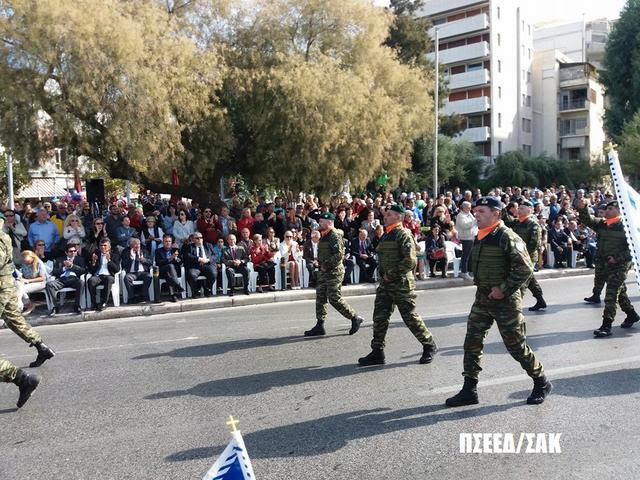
234, 463
629, 201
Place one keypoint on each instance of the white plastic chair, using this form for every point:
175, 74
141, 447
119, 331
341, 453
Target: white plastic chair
125, 293
253, 278
115, 288
301, 267
182, 280
451, 248
51, 302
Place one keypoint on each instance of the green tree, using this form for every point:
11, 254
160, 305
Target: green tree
630, 149
621, 75
21, 177
409, 33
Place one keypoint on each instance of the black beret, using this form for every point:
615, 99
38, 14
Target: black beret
398, 209
613, 203
490, 202
327, 216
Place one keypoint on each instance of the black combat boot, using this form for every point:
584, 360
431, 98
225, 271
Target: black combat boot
355, 324
603, 331
593, 299
540, 304
26, 384
44, 354
541, 388
467, 396
376, 357
428, 351
632, 317
316, 331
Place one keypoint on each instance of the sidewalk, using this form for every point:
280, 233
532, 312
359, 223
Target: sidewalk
198, 304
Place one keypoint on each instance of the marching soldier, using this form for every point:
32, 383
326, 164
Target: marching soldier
501, 268
615, 261
26, 383
329, 281
397, 262
13, 319
528, 229
599, 270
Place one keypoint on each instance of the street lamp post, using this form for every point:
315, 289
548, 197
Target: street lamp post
10, 180
435, 108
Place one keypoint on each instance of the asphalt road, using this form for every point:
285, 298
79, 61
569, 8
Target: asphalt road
147, 398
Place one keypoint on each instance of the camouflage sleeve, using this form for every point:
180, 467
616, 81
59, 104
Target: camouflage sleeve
508, 220
6, 250
535, 239
589, 220
407, 250
336, 247
520, 266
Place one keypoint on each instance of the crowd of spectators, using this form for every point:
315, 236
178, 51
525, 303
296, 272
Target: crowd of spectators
56, 244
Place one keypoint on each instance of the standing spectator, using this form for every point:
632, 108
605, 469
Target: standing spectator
370, 223
34, 278
136, 267
362, 251
260, 225
96, 235
182, 228
112, 222
410, 224
59, 217
236, 258
310, 254
290, 252
436, 251
104, 266
441, 219
125, 233
226, 225
151, 235
73, 228
44, 229
246, 221
67, 271
169, 263
343, 222
278, 223
86, 216
136, 217
207, 226
375, 241
467, 227
17, 233
200, 260
293, 222
245, 239
261, 259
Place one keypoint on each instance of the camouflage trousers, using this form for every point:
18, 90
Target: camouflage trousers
600, 277
616, 292
8, 371
10, 313
508, 316
533, 286
401, 293
328, 289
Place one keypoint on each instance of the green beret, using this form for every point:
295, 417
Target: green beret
397, 209
1, 216
328, 216
526, 203
490, 202
613, 203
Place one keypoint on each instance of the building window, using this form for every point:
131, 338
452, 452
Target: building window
498, 39
474, 66
528, 103
526, 149
58, 158
529, 28
529, 54
499, 120
524, 99
528, 77
499, 148
498, 13
526, 125
474, 121
499, 66
499, 92
523, 25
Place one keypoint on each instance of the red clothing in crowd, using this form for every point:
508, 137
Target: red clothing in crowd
246, 223
208, 230
413, 226
260, 254
136, 221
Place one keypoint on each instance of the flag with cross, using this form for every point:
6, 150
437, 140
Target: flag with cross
234, 462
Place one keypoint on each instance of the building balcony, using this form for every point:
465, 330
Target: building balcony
475, 135
575, 142
460, 54
572, 105
468, 79
471, 105
433, 7
461, 27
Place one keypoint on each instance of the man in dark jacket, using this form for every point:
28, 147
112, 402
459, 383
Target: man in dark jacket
236, 258
137, 267
104, 266
67, 271
169, 263
200, 260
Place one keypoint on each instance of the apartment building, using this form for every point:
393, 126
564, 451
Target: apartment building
486, 51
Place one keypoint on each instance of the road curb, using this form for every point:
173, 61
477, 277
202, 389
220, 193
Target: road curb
200, 304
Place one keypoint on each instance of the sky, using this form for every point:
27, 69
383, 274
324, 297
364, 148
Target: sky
570, 10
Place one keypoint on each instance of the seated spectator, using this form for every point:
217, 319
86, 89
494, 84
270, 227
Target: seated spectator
45, 230
125, 233
169, 263
183, 227
225, 223
376, 239
137, 267
261, 258
96, 235
292, 221
560, 244
218, 249
59, 217
370, 224
235, 258
410, 224
40, 253
290, 252
343, 222
310, 254
73, 228
348, 262
364, 255
67, 271
246, 221
260, 226
103, 267
436, 251
169, 219
33, 279
207, 225
136, 217
440, 218
200, 260
17, 233
273, 243
278, 222
112, 222
151, 235
245, 239
86, 216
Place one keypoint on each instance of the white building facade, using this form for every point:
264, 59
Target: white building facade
486, 50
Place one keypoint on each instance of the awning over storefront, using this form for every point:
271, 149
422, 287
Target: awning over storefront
44, 188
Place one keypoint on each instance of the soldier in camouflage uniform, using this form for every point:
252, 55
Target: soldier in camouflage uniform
397, 262
329, 281
14, 320
529, 230
501, 268
599, 270
615, 258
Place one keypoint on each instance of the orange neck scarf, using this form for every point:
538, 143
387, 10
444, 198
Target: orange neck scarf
611, 221
523, 219
391, 227
483, 232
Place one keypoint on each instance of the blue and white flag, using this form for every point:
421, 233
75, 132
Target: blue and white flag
234, 463
629, 201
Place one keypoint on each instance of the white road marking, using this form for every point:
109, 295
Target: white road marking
524, 378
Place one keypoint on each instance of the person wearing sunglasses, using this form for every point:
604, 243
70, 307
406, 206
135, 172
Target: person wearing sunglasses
17, 233
67, 271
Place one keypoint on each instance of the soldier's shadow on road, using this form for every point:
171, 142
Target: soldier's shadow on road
330, 434
601, 384
262, 382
